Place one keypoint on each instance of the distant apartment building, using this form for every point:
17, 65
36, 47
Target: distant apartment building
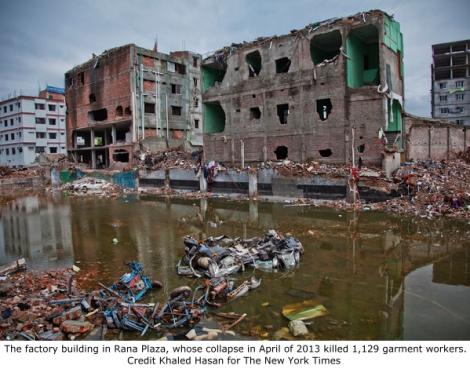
450, 74
129, 95
30, 126
332, 91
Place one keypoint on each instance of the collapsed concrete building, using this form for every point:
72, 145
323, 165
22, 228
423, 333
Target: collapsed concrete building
332, 92
131, 96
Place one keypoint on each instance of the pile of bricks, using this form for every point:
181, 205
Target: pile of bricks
26, 313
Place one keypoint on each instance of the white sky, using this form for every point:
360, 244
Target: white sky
41, 40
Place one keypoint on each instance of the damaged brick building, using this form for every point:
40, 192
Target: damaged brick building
332, 92
129, 95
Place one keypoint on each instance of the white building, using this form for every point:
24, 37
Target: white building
30, 126
450, 73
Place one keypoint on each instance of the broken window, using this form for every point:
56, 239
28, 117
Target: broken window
92, 98
176, 89
253, 60
176, 110
282, 65
81, 77
119, 111
98, 115
324, 108
121, 156
127, 111
363, 64
325, 153
255, 113
282, 113
149, 108
325, 47
281, 152
195, 82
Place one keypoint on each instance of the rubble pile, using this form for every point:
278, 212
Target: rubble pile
32, 172
289, 168
24, 304
175, 158
431, 188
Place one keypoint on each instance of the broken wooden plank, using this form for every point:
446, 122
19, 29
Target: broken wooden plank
13, 267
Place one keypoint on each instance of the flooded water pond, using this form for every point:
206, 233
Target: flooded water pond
381, 276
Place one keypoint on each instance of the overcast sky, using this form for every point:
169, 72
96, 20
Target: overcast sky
40, 40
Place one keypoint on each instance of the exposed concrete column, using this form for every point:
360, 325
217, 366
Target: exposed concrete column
253, 183
202, 182
93, 158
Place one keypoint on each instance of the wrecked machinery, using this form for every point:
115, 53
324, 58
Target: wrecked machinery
221, 256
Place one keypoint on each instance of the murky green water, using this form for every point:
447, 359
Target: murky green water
380, 276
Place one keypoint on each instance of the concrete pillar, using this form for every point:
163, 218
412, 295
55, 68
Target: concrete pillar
202, 182
253, 184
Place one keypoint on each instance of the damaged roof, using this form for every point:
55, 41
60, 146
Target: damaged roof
312, 27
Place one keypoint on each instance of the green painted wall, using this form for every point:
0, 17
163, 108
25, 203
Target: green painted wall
211, 76
356, 51
214, 118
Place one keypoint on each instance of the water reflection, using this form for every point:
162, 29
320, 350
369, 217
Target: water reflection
380, 276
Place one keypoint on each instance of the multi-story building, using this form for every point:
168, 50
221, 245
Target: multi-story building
332, 92
30, 126
450, 74
128, 95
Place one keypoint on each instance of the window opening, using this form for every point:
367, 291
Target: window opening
98, 115
81, 75
52, 121
281, 152
325, 153
255, 113
119, 111
195, 60
324, 107
196, 123
442, 85
51, 107
176, 110
443, 98
176, 89
459, 84
282, 113
40, 120
149, 108
253, 60
282, 65
361, 148
92, 98
121, 156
